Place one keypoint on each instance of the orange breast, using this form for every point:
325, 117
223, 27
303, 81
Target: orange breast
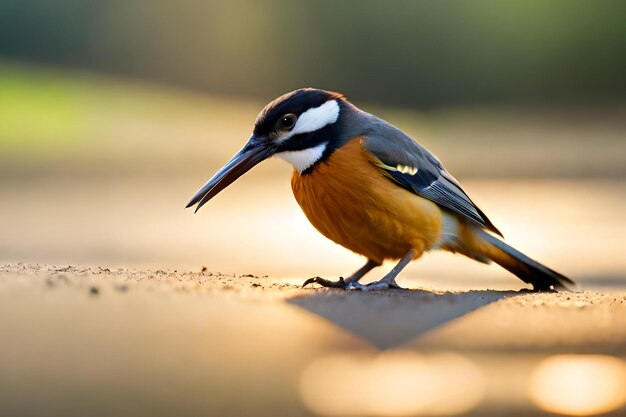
350, 201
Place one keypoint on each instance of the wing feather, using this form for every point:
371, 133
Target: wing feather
416, 169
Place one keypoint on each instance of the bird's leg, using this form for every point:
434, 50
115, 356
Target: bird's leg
341, 282
389, 280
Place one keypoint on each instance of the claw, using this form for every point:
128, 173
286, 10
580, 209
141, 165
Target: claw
326, 283
309, 281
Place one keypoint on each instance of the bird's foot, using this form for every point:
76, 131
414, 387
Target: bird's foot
374, 286
340, 283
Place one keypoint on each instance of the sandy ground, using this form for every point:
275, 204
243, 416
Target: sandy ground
92, 341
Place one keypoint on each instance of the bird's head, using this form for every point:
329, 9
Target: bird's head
301, 127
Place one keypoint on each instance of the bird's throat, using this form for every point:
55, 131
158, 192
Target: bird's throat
305, 158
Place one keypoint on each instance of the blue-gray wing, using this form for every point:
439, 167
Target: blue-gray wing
416, 169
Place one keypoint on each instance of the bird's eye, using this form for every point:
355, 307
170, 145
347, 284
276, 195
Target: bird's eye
287, 122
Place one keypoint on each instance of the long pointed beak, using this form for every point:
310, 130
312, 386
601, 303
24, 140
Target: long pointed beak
250, 155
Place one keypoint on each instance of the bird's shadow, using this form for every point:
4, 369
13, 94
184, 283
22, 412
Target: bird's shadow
388, 319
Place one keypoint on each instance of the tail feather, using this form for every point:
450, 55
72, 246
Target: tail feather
528, 270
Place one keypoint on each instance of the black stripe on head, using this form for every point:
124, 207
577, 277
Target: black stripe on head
307, 140
296, 102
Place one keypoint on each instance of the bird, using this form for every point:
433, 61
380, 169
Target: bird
366, 185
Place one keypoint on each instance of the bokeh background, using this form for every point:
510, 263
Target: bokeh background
113, 113
416, 54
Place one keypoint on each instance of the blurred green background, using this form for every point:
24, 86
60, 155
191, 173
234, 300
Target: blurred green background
420, 54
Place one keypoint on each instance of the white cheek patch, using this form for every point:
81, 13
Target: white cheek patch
301, 160
314, 119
